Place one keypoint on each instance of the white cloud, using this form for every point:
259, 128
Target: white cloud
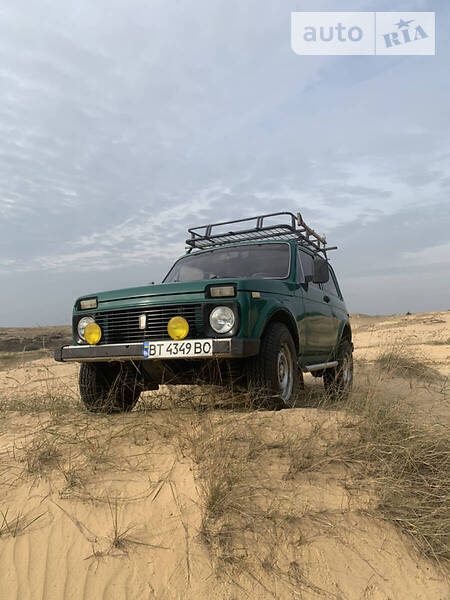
431, 255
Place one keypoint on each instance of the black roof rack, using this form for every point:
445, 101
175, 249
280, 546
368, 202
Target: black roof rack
294, 228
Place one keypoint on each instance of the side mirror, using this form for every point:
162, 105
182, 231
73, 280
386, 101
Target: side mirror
320, 270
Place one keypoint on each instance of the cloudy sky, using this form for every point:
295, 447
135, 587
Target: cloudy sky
123, 123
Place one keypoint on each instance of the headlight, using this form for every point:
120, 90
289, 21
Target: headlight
82, 326
222, 319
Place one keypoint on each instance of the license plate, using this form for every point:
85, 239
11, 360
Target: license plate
177, 349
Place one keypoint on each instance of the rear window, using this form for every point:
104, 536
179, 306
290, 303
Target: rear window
264, 261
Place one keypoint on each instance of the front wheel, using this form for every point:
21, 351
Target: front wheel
109, 387
338, 381
274, 373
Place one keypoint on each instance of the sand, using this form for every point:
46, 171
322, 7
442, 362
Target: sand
113, 507
425, 334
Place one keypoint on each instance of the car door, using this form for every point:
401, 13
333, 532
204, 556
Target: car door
336, 302
316, 323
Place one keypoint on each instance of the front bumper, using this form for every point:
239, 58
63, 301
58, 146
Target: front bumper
230, 347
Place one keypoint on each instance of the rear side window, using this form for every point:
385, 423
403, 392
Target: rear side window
331, 286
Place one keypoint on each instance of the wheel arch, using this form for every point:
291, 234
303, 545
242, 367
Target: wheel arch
281, 315
346, 332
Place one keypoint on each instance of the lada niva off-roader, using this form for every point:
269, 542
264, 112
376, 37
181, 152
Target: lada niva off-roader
253, 301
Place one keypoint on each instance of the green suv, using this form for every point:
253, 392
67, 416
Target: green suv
253, 302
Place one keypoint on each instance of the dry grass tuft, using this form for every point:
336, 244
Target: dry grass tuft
224, 451
74, 477
305, 453
52, 402
439, 342
14, 526
40, 454
400, 362
120, 538
408, 465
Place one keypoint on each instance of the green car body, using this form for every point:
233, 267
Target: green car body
314, 314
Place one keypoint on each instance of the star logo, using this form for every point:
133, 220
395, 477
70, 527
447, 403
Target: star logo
403, 23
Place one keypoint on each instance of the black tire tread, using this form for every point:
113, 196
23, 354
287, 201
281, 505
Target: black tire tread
262, 368
109, 387
332, 378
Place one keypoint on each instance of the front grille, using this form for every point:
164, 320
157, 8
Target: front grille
122, 326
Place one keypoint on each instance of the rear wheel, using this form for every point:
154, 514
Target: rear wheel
274, 373
338, 381
109, 387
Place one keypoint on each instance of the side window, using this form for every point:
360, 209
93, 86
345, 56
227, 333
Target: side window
330, 286
307, 266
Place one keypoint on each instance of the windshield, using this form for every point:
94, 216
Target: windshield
240, 262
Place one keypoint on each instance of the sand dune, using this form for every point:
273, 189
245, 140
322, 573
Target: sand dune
426, 334
125, 507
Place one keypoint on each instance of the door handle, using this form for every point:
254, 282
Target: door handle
326, 298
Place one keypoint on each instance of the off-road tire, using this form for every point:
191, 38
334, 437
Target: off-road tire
277, 352
109, 387
338, 381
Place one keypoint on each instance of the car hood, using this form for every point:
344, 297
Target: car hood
144, 293
174, 292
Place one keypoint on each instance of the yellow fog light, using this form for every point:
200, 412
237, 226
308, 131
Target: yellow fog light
92, 333
178, 328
